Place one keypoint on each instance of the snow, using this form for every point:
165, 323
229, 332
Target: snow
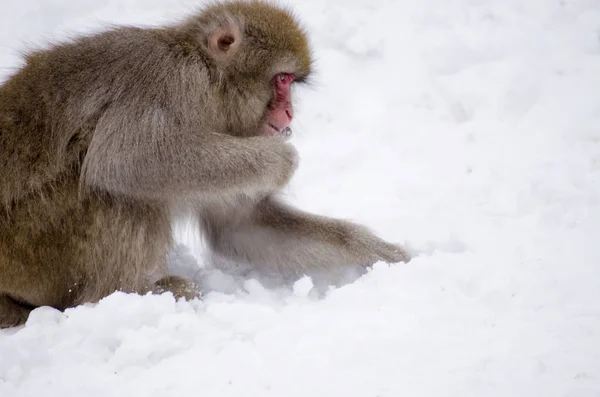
468, 130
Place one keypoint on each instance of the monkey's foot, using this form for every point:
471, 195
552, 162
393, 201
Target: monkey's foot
178, 286
12, 313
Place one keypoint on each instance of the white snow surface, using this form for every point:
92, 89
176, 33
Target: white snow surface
468, 130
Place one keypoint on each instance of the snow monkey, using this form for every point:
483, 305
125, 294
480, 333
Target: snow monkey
103, 138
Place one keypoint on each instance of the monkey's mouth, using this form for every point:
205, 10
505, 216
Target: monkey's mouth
274, 131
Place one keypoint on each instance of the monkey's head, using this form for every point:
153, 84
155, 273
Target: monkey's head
257, 52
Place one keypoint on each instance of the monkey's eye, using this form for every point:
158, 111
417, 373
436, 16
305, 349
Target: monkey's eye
282, 77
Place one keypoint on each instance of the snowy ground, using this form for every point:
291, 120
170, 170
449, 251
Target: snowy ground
467, 129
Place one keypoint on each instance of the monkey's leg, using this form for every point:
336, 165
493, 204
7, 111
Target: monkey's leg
12, 313
277, 236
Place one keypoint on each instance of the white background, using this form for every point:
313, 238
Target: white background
468, 130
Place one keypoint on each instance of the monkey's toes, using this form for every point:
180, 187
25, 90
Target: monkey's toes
179, 287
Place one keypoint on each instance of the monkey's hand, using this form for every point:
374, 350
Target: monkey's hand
392, 253
368, 248
278, 161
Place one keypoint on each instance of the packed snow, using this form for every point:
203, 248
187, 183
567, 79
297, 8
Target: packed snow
468, 130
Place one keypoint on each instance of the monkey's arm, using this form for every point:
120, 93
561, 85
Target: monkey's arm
278, 236
164, 165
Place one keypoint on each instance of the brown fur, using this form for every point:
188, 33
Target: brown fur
102, 137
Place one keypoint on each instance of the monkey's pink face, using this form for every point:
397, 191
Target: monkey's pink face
280, 112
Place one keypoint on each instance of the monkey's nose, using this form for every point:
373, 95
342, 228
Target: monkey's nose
289, 113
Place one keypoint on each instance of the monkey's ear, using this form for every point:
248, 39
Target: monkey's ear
225, 40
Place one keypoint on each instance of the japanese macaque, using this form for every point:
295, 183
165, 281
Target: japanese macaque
104, 137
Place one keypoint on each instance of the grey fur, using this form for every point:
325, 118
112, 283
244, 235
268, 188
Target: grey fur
102, 137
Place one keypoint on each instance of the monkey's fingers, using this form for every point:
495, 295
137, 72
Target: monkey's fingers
399, 254
391, 253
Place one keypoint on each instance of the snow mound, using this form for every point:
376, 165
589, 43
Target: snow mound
468, 130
